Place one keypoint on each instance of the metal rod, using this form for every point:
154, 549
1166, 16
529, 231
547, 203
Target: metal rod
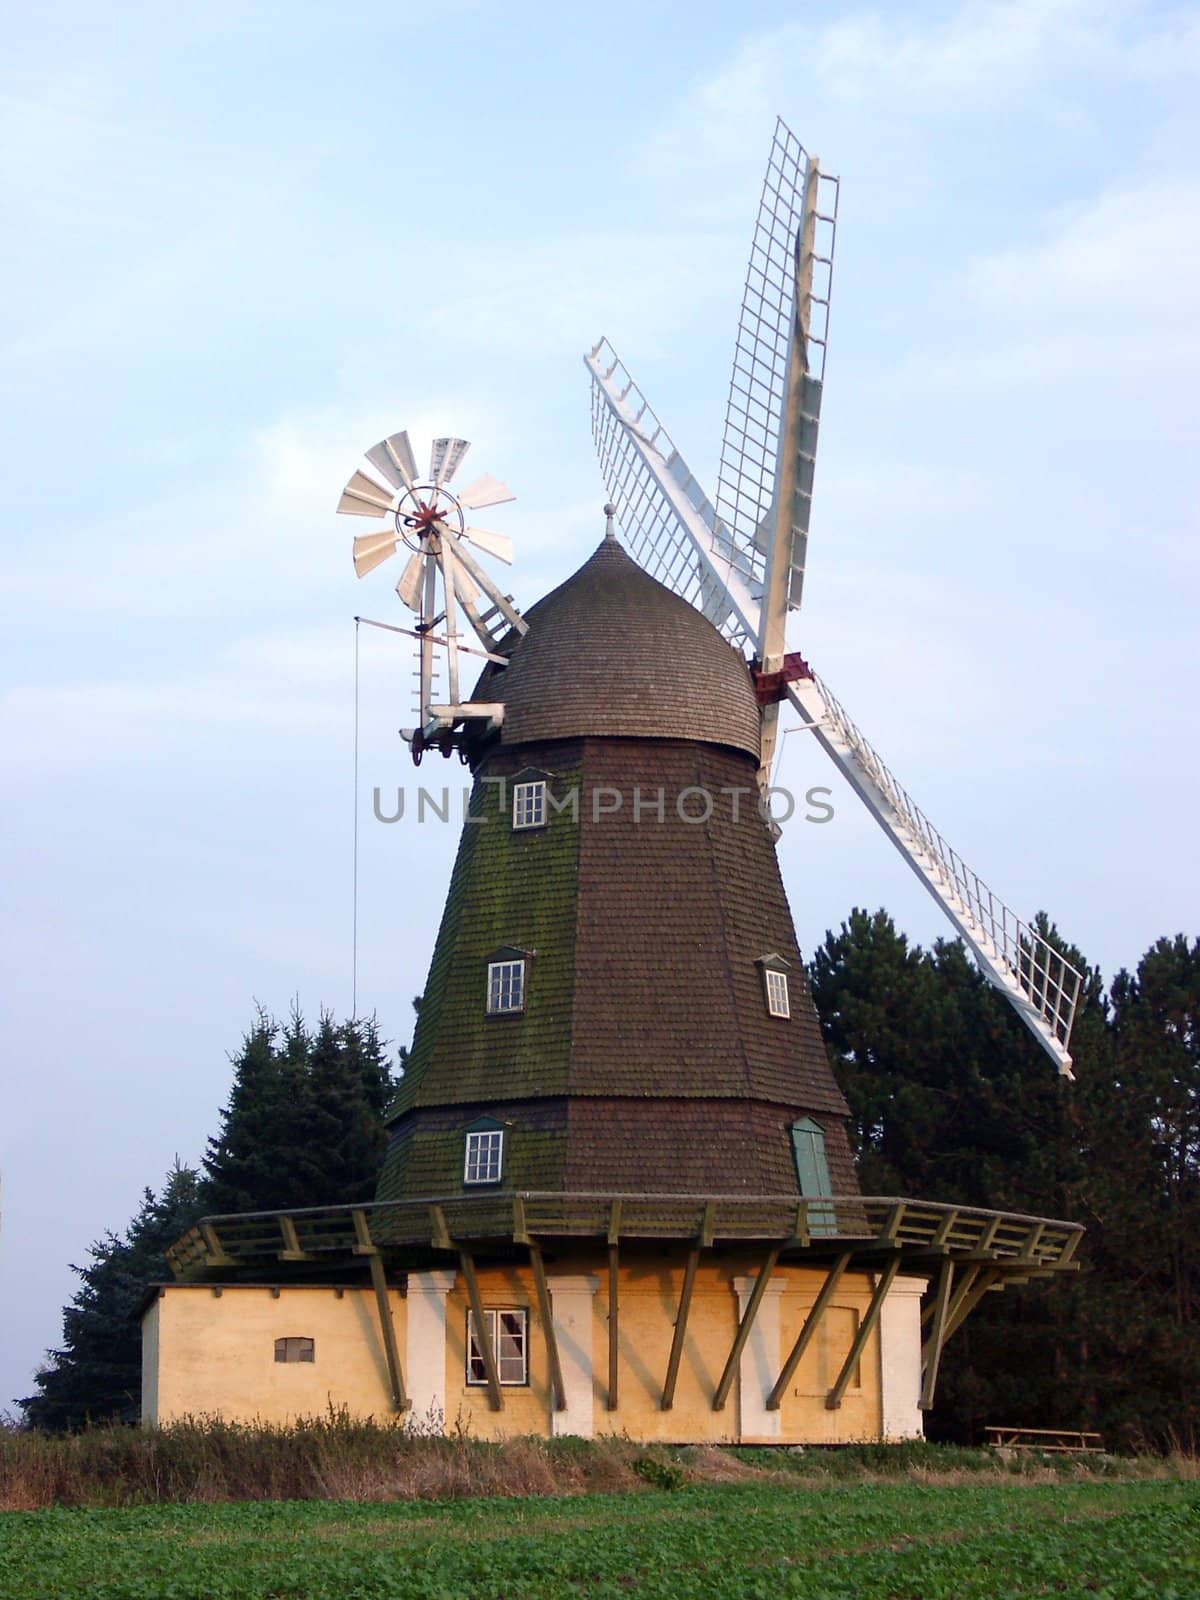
681, 1322
387, 1329
558, 1388
834, 1398
811, 1323
744, 1327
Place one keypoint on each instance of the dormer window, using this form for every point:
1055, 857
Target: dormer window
778, 1004
484, 1158
529, 804
506, 984
775, 985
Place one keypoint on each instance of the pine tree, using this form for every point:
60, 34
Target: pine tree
304, 1122
97, 1374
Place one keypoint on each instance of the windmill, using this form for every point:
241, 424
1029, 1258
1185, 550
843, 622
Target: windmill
430, 521
617, 1079
741, 559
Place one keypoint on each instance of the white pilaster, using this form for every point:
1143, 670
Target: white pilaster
760, 1363
900, 1359
571, 1307
425, 1374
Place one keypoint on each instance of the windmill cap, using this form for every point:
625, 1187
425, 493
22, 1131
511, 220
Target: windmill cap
613, 652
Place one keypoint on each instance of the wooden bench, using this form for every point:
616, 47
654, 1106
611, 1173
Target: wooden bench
1062, 1441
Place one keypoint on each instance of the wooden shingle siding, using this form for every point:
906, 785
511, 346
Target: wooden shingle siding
644, 1059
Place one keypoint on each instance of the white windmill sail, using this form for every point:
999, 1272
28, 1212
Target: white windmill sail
741, 560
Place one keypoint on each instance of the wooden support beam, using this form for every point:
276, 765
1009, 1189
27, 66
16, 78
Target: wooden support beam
438, 1231
1068, 1250
364, 1245
866, 1327
291, 1242
482, 1337
891, 1227
387, 1329
216, 1256
707, 1224
681, 1322
744, 1327
944, 1229
967, 1277
811, 1323
937, 1334
800, 1234
520, 1228
613, 1303
963, 1309
558, 1396
1029, 1252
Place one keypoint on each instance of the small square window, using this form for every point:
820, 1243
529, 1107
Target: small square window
509, 1335
529, 805
778, 1004
295, 1350
506, 986
484, 1156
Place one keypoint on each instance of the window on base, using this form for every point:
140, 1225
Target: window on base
509, 1335
484, 1158
293, 1349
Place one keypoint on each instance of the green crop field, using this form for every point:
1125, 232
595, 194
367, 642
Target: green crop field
869, 1541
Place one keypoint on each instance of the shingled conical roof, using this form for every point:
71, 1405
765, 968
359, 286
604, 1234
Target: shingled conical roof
611, 651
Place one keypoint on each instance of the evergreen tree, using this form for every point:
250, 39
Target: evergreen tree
97, 1375
304, 1122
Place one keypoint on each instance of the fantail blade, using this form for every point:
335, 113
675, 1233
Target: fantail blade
372, 550
394, 458
496, 544
445, 457
485, 491
363, 497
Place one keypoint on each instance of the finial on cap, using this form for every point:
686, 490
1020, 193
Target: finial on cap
610, 526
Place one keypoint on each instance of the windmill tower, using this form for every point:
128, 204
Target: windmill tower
618, 1193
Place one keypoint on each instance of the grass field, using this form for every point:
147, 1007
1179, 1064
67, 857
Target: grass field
874, 1540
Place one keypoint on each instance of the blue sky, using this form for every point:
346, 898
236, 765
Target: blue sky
245, 242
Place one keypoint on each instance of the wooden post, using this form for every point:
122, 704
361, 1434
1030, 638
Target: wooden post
937, 1333
614, 1235
681, 1321
963, 1307
811, 1323
559, 1392
386, 1328
744, 1327
833, 1399
483, 1337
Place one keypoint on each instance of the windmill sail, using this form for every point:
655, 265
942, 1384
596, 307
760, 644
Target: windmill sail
1041, 984
741, 559
774, 405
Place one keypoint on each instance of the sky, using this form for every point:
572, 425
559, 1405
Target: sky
244, 242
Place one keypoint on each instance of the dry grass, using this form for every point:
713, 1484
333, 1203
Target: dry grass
337, 1458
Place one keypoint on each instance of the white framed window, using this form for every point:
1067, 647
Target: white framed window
778, 1004
529, 804
509, 1334
505, 986
484, 1157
